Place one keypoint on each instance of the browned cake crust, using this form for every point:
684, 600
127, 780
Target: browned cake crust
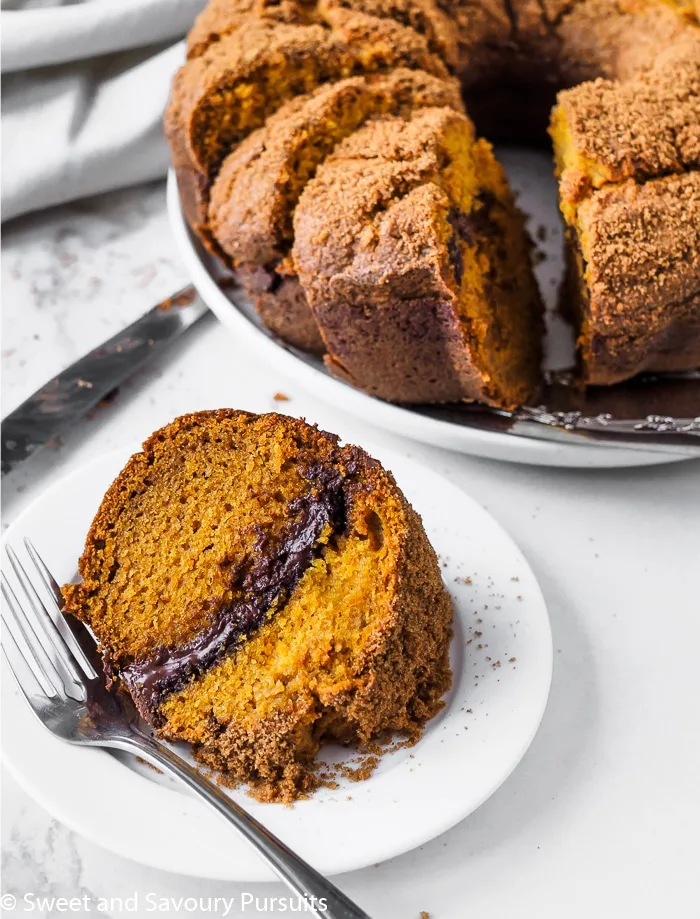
618, 39
423, 16
559, 43
641, 128
632, 223
258, 588
254, 195
281, 303
221, 18
384, 243
641, 260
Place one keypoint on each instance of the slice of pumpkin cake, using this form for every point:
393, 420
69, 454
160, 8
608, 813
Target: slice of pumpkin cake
258, 588
415, 263
627, 159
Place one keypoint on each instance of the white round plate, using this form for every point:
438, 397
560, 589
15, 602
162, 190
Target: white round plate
310, 373
502, 665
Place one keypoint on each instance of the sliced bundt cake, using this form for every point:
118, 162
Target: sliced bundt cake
286, 75
259, 588
414, 260
426, 17
627, 156
254, 195
229, 90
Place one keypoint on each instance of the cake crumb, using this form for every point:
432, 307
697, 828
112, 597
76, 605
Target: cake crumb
103, 403
424, 914
281, 397
184, 298
361, 772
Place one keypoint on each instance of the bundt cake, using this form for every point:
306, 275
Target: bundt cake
276, 123
258, 588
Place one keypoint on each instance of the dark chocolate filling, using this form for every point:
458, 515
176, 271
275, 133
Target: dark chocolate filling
470, 228
266, 577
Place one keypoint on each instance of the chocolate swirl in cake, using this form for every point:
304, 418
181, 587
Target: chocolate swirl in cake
263, 581
472, 229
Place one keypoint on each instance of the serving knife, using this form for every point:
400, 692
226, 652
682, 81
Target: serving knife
53, 410
655, 413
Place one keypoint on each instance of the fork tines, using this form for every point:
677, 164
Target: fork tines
31, 633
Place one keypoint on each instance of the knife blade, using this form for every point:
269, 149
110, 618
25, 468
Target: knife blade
52, 410
653, 413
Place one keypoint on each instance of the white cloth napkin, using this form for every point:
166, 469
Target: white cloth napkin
84, 89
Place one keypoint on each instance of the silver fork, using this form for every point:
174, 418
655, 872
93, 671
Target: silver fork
69, 697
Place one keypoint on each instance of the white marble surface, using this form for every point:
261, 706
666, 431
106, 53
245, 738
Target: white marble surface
601, 818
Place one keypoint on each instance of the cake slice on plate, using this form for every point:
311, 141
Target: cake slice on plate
258, 589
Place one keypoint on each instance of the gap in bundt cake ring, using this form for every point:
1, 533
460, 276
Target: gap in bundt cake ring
259, 589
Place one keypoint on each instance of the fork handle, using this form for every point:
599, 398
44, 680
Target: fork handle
326, 900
